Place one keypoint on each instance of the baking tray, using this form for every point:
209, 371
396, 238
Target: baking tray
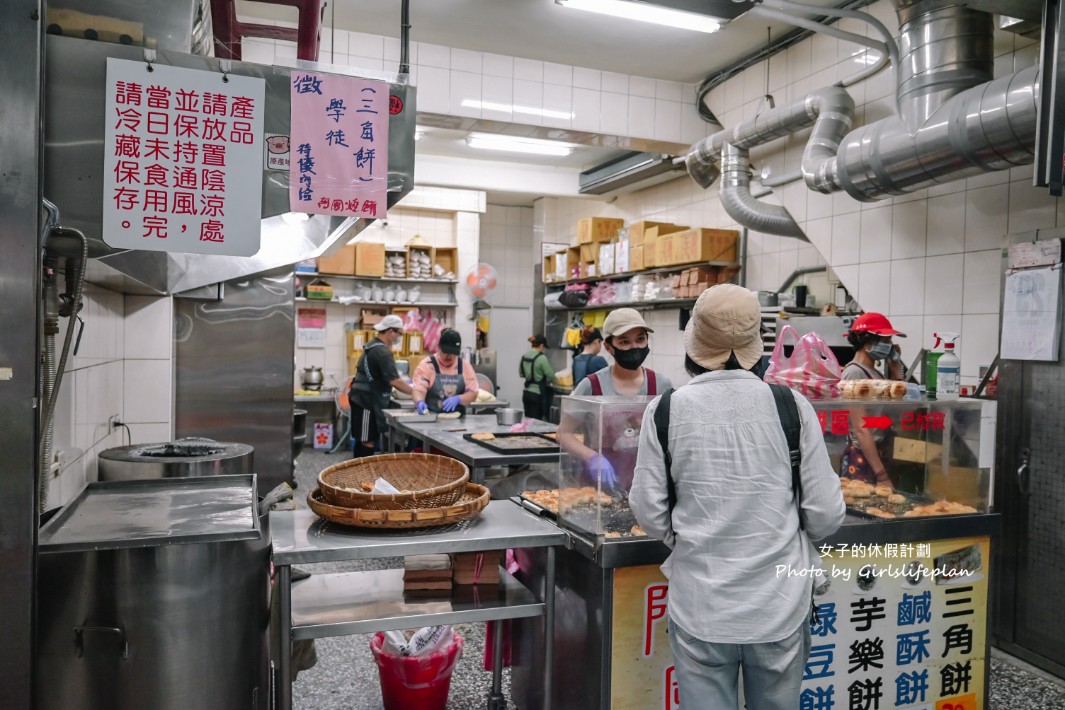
412, 417
913, 500
549, 447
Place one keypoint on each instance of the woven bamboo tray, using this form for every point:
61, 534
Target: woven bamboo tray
429, 481
470, 505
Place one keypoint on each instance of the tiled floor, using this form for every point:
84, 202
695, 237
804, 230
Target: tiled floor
345, 677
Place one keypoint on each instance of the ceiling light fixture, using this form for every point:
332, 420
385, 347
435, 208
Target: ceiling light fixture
516, 108
646, 12
517, 144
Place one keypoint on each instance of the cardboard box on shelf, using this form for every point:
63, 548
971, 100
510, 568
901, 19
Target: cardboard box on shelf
372, 316
598, 229
369, 259
549, 272
356, 340
705, 245
638, 230
636, 258
649, 261
664, 252
447, 258
318, 290
573, 263
342, 261
588, 269
589, 252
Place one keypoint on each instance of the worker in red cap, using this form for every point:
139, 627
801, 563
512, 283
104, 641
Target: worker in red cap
870, 452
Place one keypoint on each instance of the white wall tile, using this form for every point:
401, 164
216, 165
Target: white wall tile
667, 120
586, 109
907, 287
943, 284
498, 65
587, 78
465, 96
465, 60
148, 327
528, 69
616, 83
642, 86
983, 282
641, 117
434, 89
909, 228
150, 433
529, 94
558, 100
434, 55
874, 286
614, 114
148, 391
876, 234
979, 343
1030, 208
985, 217
497, 90
669, 90
364, 45
846, 238
946, 224
561, 74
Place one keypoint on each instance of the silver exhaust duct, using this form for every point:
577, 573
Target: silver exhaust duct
955, 122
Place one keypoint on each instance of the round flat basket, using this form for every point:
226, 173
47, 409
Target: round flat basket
427, 481
469, 505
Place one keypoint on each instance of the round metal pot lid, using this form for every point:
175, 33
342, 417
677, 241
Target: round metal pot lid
188, 449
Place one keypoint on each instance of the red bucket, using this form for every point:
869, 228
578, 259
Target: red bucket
420, 682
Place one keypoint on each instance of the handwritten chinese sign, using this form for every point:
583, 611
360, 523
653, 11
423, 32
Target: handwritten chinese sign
182, 165
339, 145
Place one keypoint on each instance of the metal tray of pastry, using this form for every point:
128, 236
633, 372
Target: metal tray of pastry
536, 443
860, 506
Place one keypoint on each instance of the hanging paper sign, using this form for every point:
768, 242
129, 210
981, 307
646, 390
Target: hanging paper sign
182, 159
277, 152
339, 145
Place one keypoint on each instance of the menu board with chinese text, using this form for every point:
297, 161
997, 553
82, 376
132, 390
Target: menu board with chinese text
182, 159
339, 145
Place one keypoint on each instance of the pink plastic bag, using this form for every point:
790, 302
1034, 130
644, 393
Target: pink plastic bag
812, 369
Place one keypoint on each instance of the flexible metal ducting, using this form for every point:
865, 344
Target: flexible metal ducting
955, 122
736, 198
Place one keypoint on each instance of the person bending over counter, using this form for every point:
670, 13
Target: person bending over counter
443, 382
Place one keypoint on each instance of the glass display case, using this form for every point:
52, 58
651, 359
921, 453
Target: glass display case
939, 455
599, 438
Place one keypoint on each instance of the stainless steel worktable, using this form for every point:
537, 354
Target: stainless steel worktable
474, 407
446, 436
363, 602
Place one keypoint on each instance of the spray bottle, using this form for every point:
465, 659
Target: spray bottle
948, 369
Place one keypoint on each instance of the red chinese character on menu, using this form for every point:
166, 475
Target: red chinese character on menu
369, 207
241, 133
155, 227
186, 127
213, 180
126, 198
214, 129
337, 205
654, 611
840, 421
938, 421
211, 205
127, 146
128, 92
155, 174
215, 104
352, 205
323, 203
128, 119
128, 171
158, 123
186, 178
158, 97
184, 202
157, 148
156, 201
187, 100
214, 155
211, 231
186, 152
822, 417
243, 107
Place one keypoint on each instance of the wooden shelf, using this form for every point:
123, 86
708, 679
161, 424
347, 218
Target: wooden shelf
315, 275
638, 305
630, 274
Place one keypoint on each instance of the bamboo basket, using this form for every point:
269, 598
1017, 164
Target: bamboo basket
473, 500
428, 481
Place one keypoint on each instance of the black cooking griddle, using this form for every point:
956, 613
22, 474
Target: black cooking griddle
860, 504
506, 443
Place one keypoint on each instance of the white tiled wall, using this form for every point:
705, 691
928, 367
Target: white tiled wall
440, 217
123, 367
461, 82
507, 244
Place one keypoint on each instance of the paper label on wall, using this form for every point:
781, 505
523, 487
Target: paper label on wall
1031, 309
339, 145
1045, 252
182, 169
277, 152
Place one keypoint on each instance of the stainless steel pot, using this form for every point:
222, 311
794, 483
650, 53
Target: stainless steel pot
184, 458
313, 378
508, 416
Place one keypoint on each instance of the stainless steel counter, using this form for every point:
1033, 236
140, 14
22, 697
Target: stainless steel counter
447, 437
364, 602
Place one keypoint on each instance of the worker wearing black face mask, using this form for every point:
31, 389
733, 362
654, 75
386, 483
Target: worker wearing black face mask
625, 337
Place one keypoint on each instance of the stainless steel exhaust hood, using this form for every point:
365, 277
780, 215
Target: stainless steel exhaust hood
73, 163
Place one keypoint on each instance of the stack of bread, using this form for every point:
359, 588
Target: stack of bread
871, 389
427, 573
476, 567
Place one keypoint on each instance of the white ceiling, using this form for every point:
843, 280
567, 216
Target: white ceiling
542, 30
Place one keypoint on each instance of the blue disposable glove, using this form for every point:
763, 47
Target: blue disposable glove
600, 467
451, 403
421, 407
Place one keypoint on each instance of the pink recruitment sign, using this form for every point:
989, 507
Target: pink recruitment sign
339, 146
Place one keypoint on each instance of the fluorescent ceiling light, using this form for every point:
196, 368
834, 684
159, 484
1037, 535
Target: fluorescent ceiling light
645, 12
516, 144
515, 108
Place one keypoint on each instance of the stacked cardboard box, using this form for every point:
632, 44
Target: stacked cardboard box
341, 261
477, 567
694, 245
369, 259
598, 229
427, 572
693, 281
643, 243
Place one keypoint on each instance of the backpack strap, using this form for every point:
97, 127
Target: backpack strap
652, 381
597, 386
661, 419
792, 426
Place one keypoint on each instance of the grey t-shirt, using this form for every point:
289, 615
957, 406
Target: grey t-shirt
606, 380
854, 371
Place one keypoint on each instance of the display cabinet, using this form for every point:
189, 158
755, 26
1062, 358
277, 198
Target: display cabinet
939, 455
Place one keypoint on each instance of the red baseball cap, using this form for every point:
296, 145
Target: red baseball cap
875, 323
